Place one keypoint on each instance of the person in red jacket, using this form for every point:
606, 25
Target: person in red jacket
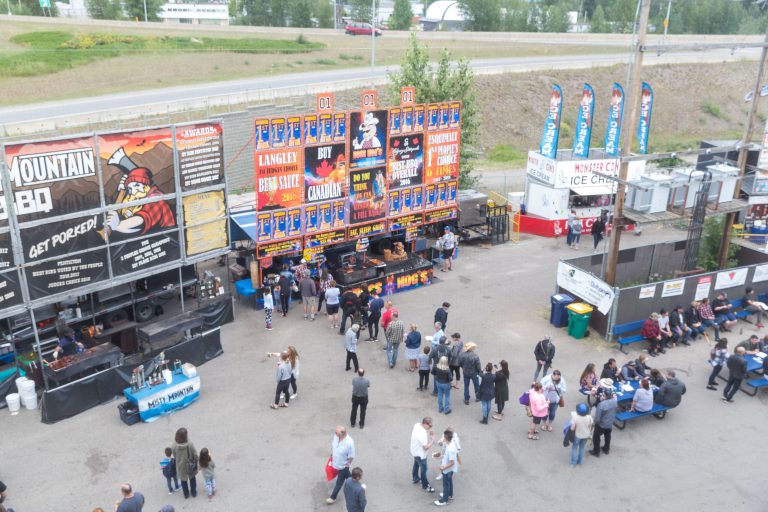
652, 333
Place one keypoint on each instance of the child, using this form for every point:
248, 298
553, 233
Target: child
206, 467
168, 465
424, 369
269, 305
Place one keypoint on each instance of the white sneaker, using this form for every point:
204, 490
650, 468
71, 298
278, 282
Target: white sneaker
330, 501
439, 477
293, 396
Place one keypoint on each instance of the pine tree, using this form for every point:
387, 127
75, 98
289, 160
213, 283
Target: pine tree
134, 9
483, 15
301, 13
597, 24
105, 9
324, 13
402, 15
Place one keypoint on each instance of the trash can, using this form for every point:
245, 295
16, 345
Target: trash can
578, 319
559, 316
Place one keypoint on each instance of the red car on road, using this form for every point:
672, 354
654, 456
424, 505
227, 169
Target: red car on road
355, 28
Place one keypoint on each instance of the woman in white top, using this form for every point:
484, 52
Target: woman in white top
449, 244
581, 424
332, 304
643, 399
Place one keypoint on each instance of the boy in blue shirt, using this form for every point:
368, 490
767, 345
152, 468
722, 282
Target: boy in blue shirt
168, 465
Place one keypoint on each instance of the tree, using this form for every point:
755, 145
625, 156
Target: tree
597, 24
301, 13
256, 12
134, 9
622, 14
402, 15
709, 250
361, 10
482, 15
105, 9
556, 19
277, 13
324, 13
449, 81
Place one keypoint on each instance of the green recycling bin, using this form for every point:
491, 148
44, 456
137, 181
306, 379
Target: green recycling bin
578, 319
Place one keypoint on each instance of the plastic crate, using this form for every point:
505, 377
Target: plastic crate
129, 413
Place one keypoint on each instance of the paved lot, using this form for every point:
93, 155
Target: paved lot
698, 458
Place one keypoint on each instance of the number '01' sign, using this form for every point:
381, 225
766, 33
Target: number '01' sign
325, 102
369, 99
407, 96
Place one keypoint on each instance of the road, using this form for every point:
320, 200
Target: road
140, 102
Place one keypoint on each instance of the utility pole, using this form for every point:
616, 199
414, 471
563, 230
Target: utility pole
373, 43
145, 11
741, 163
627, 131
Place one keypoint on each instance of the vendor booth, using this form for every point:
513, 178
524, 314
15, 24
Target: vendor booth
103, 234
351, 192
555, 187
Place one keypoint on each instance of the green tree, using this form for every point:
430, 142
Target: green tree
134, 9
555, 19
277, 13
301, 13
622, 14
105, 9
709, 250
256, 12
360, 10
597, 24
482, 15
324, 13
450, 80
402, 15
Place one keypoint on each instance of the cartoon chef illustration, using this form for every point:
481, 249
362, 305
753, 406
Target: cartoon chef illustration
137, 184
368, 131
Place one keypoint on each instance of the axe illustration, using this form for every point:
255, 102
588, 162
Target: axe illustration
120, 160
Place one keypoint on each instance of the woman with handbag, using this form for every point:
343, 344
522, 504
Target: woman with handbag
501, 389
554, 389
539, 409
186, 462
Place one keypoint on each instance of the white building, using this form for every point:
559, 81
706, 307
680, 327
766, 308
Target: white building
195, 14
444, 15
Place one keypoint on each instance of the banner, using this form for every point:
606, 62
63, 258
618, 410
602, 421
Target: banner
368, 135
551, 133
205, 220
367, 195
584, 123
54, 178
293, 127
405, 162
279, 178
62, 237
10, 290
142, 254
673, 288
703, 285
761, 274
405, 221
366, 230
326, 238
325, 172
440, 215
442, 156
644, 121
280, 247
585, 286
138, 166
200, 152
67, 273
615, 113
731, 278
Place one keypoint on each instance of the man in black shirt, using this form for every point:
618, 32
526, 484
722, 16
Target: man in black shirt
723, 310
441, 315
349, 304
737, 368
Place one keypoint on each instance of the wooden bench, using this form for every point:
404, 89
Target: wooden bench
630, 327
756, 385
660, 411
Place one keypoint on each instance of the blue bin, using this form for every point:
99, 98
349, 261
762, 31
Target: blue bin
760, 233
559, 315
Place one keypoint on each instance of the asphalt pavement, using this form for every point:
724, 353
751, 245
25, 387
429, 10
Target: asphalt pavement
705, 455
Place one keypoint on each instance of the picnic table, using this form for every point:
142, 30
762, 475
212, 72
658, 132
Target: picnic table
754, 365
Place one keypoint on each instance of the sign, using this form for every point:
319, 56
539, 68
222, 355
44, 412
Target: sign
310, 129
395, 121
279, 178
200, 153
369, 99
399, 282
541, 167
340, 127
10, 290
206, 237
325, 101
264, 227
644, 120
293, 127
405, 162
205, 221
648, 292
441, 158
313, 254
67, 273
368, 135
142, 254
367, 195
703, 285
278, 137
366, 230
440, 215
362, 245
615, 113
279, 247
407, 96
262, 134
584, 123
205, 207
673, 288
406, 221
586, 286
731, 278
6, 254
325, 128
761, 274
325, 172
326, 238
419, 116
157, 401
293, 222
548, 146
63, 237
455, 115
49, 179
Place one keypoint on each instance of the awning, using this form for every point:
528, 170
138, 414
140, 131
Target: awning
243, 226
597, 190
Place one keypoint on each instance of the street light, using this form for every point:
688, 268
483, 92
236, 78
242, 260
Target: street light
145, 11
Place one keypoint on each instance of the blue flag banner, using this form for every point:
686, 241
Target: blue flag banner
644, 123
615, 113
552, 125
584, 123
